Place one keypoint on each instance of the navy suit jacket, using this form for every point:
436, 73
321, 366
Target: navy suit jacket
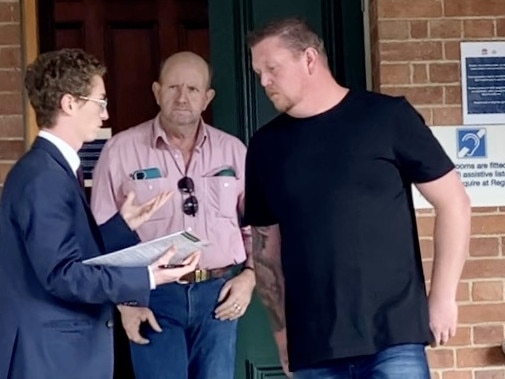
55, 311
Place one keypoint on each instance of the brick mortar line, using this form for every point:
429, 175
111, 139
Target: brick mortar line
391, 63
437, 106
486, 235
493, 38
427, 107
469, 282
471, 369
497, 213
440, 39
493, 235
486, 323
438, 18
427, 62
478, 258
455, 39
421, 85
456, 348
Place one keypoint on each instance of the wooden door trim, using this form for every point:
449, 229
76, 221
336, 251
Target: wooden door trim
29, 51
246, 91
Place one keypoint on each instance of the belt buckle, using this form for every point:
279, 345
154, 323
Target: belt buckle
201, 275
196, 276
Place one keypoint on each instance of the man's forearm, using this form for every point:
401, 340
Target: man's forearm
247, 240
269, 277
451, 240
452, 232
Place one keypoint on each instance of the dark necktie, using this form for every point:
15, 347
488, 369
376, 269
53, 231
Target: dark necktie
80, 176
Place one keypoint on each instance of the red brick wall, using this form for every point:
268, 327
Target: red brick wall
11, 118
415, 52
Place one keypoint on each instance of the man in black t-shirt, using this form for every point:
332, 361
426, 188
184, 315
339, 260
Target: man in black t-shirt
328, 191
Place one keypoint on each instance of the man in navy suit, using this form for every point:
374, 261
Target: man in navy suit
56, 311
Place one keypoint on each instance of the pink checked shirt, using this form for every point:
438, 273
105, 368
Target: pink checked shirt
220, 198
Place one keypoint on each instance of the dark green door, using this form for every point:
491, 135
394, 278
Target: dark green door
241, 107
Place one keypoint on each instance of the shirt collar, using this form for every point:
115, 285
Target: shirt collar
159, 133
65, 149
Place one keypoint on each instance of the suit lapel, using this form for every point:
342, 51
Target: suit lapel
52, 150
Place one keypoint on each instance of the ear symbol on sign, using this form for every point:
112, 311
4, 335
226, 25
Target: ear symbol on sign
475, 139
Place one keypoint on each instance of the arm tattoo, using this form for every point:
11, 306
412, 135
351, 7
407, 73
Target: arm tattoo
269, 276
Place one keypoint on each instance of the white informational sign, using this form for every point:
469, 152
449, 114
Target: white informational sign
478, 152
483, 82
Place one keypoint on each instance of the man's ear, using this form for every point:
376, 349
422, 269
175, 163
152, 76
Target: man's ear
156, 91
68, 104
209, 94
311, 56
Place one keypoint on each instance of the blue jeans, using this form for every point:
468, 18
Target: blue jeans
193, 343
398, 362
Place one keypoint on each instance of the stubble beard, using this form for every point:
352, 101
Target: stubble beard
281, 103
183, 119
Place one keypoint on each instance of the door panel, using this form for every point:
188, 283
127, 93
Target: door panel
70, 34
130, 82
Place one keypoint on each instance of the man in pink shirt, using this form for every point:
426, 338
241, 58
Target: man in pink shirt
190, 329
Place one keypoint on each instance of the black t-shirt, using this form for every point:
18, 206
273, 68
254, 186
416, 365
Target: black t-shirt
339, 186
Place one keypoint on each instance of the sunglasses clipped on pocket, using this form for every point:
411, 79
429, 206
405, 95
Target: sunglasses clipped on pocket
187, 187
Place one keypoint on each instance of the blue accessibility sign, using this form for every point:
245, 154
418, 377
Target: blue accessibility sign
472, 143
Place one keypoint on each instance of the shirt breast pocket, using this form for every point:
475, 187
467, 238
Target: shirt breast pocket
222, 195
146, 189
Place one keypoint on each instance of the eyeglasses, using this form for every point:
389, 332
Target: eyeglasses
187, 187
102, 102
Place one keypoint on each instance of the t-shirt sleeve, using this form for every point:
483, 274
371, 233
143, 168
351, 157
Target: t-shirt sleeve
257, 209
418, 153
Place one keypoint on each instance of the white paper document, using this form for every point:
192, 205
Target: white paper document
145, 253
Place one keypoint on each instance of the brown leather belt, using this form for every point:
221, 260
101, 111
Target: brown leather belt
202, 275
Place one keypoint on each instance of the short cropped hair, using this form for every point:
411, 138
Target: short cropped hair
55, 74
296, 34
